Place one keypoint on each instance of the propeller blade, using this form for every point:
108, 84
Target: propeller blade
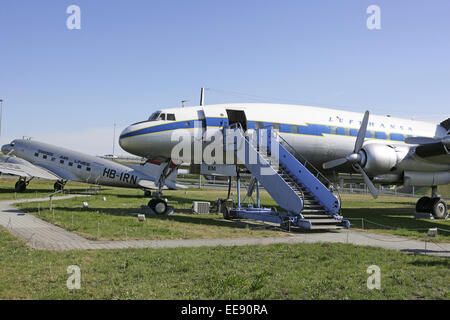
446, 141
334, 163
421, 140
361, 133
368, 182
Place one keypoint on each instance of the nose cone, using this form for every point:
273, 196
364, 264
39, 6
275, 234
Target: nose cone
7, 148
131, 141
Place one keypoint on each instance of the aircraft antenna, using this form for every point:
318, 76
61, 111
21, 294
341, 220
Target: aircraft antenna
202, 96
114, 140
183, 102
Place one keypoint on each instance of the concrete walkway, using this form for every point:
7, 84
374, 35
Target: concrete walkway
42, 235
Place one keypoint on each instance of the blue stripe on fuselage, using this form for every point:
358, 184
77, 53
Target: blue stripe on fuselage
309, 129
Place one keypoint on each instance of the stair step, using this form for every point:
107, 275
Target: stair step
325, 227
316, 216
323, 221
313, 211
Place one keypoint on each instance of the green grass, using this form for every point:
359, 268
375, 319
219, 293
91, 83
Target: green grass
113, 220
391, 215
300, 271
36, 189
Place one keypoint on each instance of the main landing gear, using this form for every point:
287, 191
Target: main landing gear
21, 185
434, 205
59, 185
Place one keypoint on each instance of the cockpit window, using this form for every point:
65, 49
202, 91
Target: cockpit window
154, 116
158, 116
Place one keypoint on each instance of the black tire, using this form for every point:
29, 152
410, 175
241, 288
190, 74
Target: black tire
147, 194
58, 186
20, 186
439, 208
159, 207
423, 205
226, 213
151, 203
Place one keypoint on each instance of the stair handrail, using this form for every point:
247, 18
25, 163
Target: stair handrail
306, 163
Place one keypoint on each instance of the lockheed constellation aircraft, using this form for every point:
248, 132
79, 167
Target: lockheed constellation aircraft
383, 149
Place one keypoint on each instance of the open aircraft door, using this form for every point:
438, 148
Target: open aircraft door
215, 117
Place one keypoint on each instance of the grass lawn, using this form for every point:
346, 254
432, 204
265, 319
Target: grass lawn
111, 219
300, 271
391, 215
36, 189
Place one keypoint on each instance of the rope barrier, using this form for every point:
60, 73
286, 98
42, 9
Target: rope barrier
395, 228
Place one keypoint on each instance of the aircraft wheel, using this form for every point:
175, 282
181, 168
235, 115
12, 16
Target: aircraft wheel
147, 193
160, 206
423, 204
20, 186
58, 186
226, 213
439, 209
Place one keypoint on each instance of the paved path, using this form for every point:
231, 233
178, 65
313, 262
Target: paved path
42, 235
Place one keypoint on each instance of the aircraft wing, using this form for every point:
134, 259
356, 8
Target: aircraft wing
22, 168
436, 152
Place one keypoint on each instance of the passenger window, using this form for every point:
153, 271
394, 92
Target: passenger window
170, 117
294, 129
276, 126
79, 166
36, 154
70, 164
61, 161
347, 131
259, 125
44, 156
88, 169
333, 130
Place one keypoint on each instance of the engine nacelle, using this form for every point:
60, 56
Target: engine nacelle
379, 159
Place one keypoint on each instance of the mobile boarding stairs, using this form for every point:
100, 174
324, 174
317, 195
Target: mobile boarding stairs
307, 202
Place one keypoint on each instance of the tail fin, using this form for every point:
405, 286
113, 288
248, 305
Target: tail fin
446, 124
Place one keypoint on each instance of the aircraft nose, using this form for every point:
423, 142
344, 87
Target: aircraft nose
7, 148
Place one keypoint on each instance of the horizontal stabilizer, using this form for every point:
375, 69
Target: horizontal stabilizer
147, 184
446, 124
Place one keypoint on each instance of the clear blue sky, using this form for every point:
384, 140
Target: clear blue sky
131, 57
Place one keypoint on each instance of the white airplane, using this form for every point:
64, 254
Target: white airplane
384, 149
29, 159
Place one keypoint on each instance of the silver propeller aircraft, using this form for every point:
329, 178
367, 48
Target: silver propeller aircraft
383, 149
29, 159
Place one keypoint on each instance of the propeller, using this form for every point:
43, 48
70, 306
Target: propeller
357, 157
